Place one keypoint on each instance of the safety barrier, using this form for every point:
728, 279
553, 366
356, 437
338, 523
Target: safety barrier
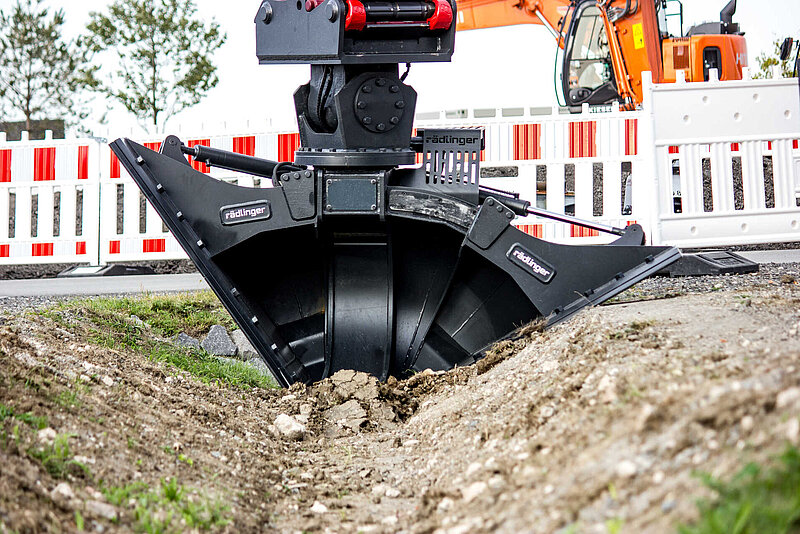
49, 210
702, 164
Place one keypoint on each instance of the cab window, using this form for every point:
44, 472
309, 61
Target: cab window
590, 60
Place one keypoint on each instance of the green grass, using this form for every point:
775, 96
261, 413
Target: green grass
757, 500
166, 315
57, 458
169, 508
37, 422
193, 313
211, 370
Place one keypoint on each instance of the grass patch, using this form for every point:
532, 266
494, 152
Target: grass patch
71, 398
194, 313
37, 422
169, 508
57, 458
757, 500
166, 315
211, 370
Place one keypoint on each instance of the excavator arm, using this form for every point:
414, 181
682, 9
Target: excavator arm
477, 14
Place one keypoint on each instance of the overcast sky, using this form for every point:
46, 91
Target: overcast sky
491, 68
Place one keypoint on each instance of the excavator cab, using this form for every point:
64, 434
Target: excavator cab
588, 72
608, 44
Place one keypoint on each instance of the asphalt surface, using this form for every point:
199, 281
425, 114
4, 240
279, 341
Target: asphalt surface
121, 285
103, 285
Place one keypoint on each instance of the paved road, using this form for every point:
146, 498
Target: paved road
772, 256
113, 285
104, 285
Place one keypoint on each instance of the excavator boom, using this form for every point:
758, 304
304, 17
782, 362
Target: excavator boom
477, 14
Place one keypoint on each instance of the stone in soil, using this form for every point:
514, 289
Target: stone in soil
218, 342
348, 415
289, 428
101, 509
185, 341
246, 351
349, 384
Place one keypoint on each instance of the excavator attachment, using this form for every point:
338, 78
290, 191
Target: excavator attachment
355, 259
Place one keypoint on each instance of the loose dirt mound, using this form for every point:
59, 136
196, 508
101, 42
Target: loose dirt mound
595, 424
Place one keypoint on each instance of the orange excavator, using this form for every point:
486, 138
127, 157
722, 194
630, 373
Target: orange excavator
607, 44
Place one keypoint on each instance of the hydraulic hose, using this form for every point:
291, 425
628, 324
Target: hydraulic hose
232, 161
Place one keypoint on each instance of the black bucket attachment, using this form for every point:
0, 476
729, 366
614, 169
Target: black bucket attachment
379, 271
354, 259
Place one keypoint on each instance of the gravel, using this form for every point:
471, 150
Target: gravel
770, 275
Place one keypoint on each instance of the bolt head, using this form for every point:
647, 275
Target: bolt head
332, 11
265, 13
362, 105
367, 120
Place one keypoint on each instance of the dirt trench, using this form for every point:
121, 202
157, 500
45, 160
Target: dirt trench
594, 424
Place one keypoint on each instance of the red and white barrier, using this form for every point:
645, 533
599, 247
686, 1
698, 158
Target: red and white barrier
729, 150
49, 201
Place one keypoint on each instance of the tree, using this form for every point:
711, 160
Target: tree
767, 61
41, 74
160, 56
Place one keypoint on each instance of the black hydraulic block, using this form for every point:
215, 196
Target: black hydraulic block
712, 263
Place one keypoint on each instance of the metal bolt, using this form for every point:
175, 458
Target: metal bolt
332, 11
380, 127
286, 177
367, 120
400, 104
373, 181
200, 243
362, 105
307, 174
234, 292
254, 320
329, 207
380, 82
490, 202
367, 89
394, 120
500, 209
179, 215
266, 12
159, 188
330, 182
374, 207
394, 89
140, 160
510, 216
296, 175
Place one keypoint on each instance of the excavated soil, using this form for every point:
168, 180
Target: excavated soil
605, 418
